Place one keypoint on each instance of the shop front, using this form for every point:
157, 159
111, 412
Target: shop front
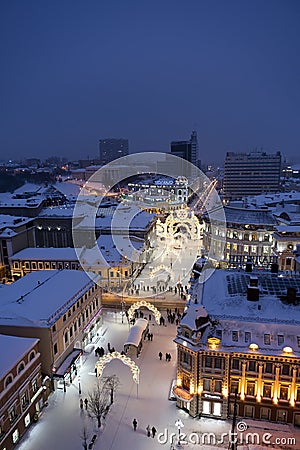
64, 375
211, 406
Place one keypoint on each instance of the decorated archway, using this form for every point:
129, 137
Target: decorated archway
177, 222
106, 359
144, 304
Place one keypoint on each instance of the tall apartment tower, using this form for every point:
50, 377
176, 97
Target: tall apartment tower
251, 174
187, 150
111, 149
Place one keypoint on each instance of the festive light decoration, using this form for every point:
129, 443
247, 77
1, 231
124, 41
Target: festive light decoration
100, 365
144, 304
253, 346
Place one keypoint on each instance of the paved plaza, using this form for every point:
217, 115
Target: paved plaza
62, 421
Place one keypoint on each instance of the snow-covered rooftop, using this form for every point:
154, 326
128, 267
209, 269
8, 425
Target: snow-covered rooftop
13, 350
39, 298
46, 254
249, 216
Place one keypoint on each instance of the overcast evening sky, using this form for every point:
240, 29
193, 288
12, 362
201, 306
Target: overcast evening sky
73, 72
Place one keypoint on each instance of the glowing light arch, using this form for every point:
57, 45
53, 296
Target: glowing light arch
106, 359
144, 304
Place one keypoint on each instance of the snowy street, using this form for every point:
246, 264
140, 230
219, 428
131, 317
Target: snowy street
61, 424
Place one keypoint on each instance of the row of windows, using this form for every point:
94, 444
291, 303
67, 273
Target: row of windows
267, 390
247, 236
235, 335
212, 362
267, 367
9, 379
93, 306
34, 265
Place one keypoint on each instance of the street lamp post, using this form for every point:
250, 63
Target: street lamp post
79, 385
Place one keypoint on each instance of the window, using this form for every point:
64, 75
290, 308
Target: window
40, 265
186, 358
266, 238
34, 386
32, 355
186, 382
267, 339
24, 400
234, 386
267, 390
247, 337
269, 367
54, 328
298, 395
265, 413
21, 367
16, 264
53, 265
284, 393
66, 337
69, 313
8, 380
250, 388
111, 274
71, 331
285, 369
235, 336
55, 349
280, 338
47, 265
60, 266
26, 265
298, 341
246, 248
75, 326
254, 237
12, 414
64, 318
219, 334
208, 361
218, 363
252, 366
235, 364
126, 273
218, 386
246, 236
33, 265
206, 384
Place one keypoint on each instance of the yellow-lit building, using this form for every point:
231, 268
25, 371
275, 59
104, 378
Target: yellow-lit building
239, 341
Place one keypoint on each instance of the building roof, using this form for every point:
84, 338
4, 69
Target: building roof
136, 332
224, 297
13, 350
46, 254
40, 298
249, 216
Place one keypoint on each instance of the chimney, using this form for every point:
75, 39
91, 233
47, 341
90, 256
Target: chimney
252, 293
248, 267
291, 296
274, 268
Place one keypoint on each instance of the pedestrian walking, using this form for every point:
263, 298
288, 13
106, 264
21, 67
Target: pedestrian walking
160, 355
148, 430
153, 431
81, 403
134, 423
167, 356
151, 336
86, 403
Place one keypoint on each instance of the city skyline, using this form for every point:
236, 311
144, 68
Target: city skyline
150, 74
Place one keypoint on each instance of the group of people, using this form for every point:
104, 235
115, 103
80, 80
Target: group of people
85, 402
149, 336
149, 430
168, 356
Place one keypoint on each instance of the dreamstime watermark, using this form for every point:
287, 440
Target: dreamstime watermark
242, 436
125, 217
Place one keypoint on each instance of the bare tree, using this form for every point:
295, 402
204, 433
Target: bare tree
98, 402
111, 383
84, 437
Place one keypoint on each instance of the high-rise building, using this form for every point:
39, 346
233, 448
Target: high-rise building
111, 149
187, 150
251, 174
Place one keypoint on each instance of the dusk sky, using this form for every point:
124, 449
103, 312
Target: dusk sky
73, 72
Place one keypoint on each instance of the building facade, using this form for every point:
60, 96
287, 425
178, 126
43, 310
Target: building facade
251, 174
23, 391
238, 351
62, 309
